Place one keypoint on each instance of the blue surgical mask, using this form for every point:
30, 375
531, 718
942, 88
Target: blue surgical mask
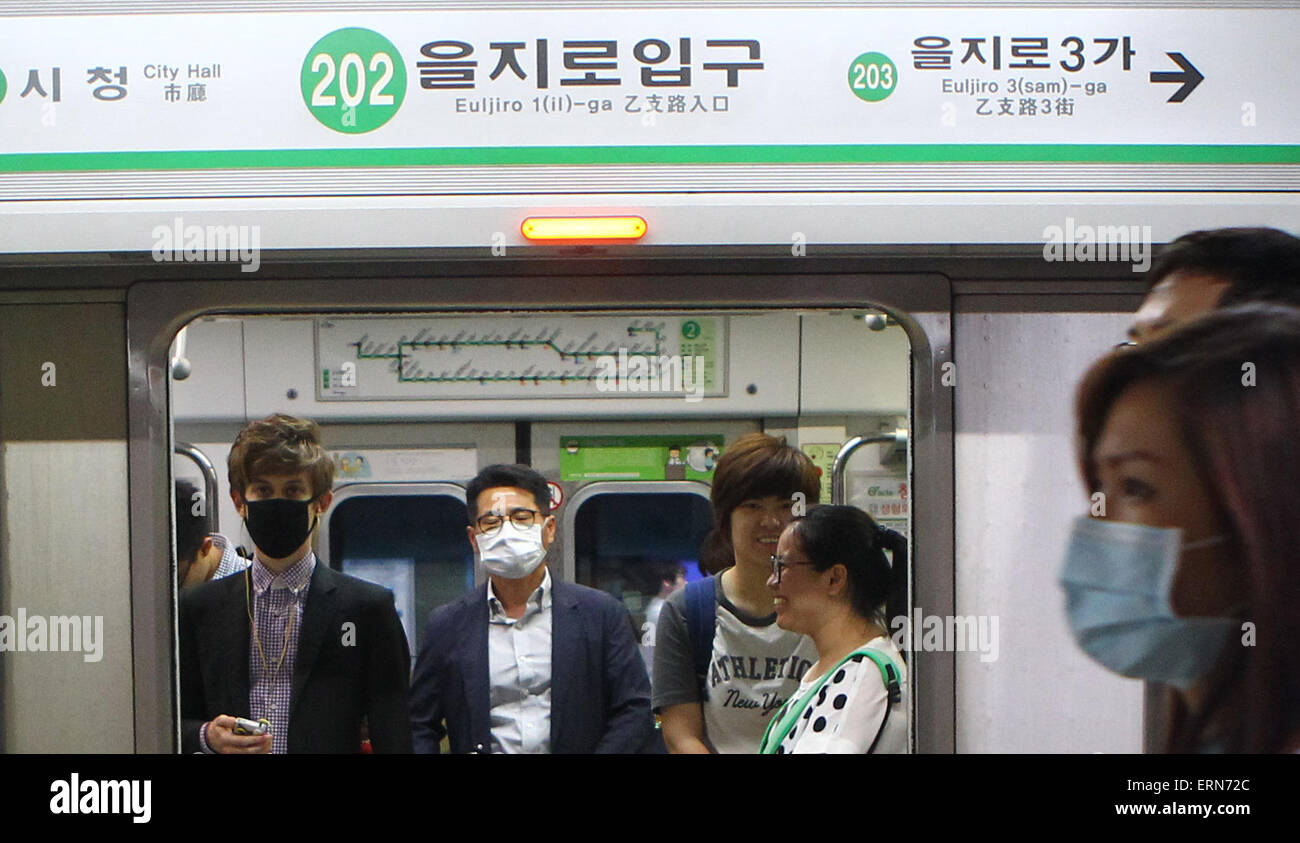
1117, 578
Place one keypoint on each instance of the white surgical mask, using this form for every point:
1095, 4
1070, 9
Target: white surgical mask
511, 552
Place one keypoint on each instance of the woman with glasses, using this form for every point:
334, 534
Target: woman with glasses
830, 581
1186, 574
721, 664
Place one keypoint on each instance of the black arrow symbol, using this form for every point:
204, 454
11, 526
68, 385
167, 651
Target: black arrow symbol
1189, 76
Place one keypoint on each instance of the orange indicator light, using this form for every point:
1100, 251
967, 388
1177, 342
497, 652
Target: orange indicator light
583, 228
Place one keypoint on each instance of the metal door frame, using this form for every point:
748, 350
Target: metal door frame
156, 311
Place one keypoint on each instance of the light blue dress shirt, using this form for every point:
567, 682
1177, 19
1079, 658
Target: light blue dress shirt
519, 670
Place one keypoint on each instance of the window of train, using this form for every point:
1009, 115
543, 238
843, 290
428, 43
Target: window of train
413, 544
639, 547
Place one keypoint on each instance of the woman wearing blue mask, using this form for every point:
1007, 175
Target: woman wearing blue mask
1189, 575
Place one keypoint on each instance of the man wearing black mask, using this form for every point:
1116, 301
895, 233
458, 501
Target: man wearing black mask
306, 651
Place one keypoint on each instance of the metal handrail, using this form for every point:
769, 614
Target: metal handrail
209, 473
840, 466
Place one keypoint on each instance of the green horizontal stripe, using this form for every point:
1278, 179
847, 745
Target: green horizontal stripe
31, 162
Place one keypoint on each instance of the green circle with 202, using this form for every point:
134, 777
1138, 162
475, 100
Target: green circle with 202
872, 77
4, 86
353, 80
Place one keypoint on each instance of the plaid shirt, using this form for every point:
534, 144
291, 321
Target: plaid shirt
278, 606
231, 562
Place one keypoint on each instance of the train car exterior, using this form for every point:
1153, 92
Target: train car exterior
1008, 249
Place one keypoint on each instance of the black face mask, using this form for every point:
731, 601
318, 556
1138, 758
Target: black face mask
278, 526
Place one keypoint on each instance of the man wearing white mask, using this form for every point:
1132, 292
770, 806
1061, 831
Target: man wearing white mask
526, 664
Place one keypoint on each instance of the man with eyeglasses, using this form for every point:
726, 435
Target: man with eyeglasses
524, 663
1205, 270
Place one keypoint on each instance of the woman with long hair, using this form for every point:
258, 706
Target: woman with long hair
1187, 573
721, 664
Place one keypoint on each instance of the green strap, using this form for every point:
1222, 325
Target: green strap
781, 724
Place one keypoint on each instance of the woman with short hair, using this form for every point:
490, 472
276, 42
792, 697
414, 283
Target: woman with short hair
721, 664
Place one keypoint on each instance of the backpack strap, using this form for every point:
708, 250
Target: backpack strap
780, 725
889, 675
888, 672
701, 610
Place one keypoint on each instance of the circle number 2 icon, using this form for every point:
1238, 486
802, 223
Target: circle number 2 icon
872, 77
353, 80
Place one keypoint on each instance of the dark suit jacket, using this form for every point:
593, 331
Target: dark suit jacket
600, 693
334, 686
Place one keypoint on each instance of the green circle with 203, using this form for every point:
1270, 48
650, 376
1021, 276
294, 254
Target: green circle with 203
4, 86
872, 77
353, 80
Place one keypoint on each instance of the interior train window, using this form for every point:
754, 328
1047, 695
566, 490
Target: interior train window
409, 538
639, 544
624, 413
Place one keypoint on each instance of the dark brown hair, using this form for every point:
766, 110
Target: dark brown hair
279, 444
502, 476
191, 529
1242, 437
754, 466
1259, 264
845, 535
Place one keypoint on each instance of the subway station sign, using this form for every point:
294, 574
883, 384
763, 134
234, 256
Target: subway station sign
654, 85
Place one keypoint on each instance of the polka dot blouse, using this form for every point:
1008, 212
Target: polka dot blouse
848, 710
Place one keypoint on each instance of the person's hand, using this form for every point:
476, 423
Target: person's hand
222, 738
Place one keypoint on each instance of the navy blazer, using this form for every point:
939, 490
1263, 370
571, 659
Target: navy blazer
335, 683
600, 693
